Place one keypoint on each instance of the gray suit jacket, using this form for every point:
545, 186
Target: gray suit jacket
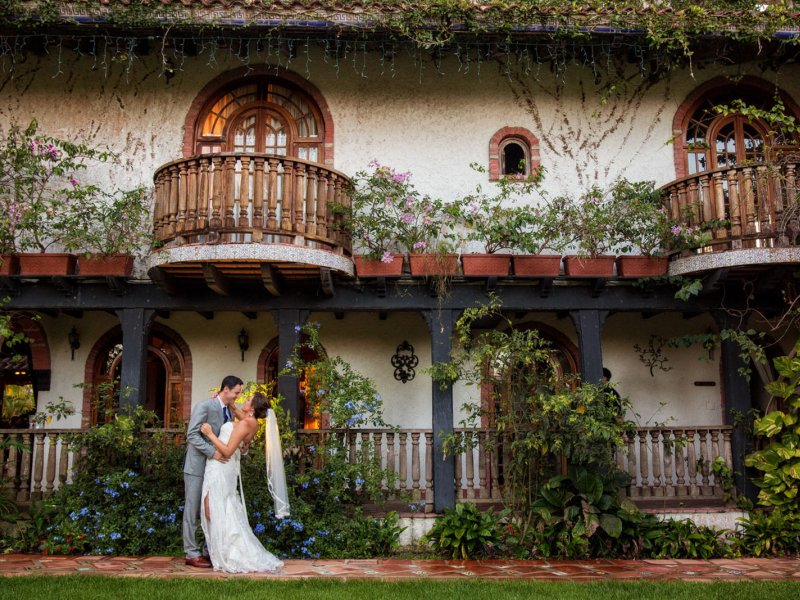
198, 448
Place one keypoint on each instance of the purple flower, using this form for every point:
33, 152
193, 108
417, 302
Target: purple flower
407, 218
73, 182
387, 257
420, 245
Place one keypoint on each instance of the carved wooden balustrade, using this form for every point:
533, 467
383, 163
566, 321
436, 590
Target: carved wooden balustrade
663, 462
755, 205
249, 197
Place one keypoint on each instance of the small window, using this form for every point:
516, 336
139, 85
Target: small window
513, 152
514, 158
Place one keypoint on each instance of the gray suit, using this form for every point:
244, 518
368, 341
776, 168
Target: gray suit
198, 450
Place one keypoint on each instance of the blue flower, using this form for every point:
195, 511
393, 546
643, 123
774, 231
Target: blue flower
297, 328
304, 485
150, 530
125, 485
312, 449
289, 364
131, 474
359, 481
320, 392
259, 529
316, 480
115, 536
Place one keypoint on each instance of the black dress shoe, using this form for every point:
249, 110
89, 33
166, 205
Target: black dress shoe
199, 562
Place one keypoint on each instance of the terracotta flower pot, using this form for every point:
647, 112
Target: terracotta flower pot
46, 264
539, 265
114, 265
371, 267
641, 266
485, 265
588, 266
433, 264
8, 264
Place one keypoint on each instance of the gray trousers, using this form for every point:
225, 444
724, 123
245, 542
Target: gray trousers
193, 489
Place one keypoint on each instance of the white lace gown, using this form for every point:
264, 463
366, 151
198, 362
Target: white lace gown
232, 545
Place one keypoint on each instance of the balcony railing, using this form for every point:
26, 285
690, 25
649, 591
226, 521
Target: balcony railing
248, 197
751, 206
663, 462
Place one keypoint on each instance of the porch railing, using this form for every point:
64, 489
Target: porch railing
751, 206
663, 462
249, 197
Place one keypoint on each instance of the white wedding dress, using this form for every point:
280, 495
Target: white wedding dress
232, 545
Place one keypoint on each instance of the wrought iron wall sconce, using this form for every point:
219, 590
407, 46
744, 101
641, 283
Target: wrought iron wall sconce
244, 342
404, 362
74, 339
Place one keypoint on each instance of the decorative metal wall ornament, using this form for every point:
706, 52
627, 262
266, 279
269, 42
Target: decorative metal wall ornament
404, 361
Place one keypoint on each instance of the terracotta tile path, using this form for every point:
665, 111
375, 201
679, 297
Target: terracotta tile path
776, 569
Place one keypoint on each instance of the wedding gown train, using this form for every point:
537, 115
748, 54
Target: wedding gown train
232, 545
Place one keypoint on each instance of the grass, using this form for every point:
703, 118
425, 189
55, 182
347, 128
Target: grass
86, 587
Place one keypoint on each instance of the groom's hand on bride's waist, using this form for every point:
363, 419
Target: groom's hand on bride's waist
220, 457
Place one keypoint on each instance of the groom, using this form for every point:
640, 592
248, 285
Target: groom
214, 411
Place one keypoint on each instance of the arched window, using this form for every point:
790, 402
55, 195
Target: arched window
260, 113
705, 139
168, 377
513, 151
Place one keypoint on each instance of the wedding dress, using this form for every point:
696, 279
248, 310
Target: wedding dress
232, 546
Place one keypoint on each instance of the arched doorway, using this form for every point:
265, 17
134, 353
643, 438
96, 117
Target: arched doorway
168, 366
268, 370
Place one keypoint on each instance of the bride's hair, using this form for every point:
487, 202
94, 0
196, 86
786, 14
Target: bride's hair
260, 404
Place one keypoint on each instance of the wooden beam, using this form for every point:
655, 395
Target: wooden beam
250, 315
269, 277
163, 314
75, 314
326, 279
164, 280
206, 314
64, 285
216, 280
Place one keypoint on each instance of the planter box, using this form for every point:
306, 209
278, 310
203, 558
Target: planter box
433, 264
539, 265
46, 264
641, 266
485, 265
8, 264
370, 267
586, 266
114, 265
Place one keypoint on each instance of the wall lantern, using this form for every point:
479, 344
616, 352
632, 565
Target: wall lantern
404, 361
244, 342
74, 341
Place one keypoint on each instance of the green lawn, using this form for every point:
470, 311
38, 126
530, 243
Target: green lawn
86, 587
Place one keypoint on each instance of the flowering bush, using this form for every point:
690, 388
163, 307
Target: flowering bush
117, 223
508, 221
389, 216
592, 219
643, 222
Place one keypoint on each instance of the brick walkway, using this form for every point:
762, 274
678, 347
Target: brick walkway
776, 569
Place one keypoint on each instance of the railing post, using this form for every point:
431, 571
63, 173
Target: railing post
440, 325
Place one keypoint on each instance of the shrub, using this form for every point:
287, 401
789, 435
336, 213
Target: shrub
465, 532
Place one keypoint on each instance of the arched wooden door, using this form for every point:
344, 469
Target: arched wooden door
166, 378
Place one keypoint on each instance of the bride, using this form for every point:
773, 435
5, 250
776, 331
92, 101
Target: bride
232, 546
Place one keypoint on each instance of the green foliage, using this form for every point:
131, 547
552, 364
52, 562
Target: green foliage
779, 459
684, 539
117, 223
642, 220
770, 533
466, 533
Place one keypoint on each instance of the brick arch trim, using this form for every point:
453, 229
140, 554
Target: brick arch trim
36, 339
116, 333
511, 132
221, 81
693, 100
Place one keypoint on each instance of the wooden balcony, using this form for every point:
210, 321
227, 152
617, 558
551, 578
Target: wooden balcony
668, 466
240, 211
752, 210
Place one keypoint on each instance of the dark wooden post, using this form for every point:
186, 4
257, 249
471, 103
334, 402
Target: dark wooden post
440, 325
287, 321
589, 325
738, 401
133, 377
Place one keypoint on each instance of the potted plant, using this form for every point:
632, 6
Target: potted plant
644, 227
592, 220
428, 232
40, 189
544, 230
117, 227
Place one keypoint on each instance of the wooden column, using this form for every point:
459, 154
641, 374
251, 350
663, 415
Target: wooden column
589, 325
736, 396
133, 377
440, 325
286, 321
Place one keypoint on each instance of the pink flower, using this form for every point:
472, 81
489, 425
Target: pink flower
409, 201
387, 257
473, 209
407, 218
73, 182
420, 245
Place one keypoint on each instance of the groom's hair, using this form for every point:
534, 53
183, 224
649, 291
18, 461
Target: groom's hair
260, 404
230, 382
